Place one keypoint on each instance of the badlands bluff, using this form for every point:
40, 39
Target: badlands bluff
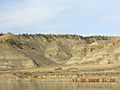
51, 57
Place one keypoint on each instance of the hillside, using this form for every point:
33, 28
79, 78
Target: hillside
33, 51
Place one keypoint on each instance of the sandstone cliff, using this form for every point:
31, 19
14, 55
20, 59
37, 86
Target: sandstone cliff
32, 51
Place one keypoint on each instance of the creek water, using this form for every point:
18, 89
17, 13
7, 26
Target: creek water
36, 85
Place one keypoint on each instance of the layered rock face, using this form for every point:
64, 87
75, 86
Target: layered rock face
32, 51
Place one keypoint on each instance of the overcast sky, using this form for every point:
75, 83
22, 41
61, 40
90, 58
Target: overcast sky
84, 17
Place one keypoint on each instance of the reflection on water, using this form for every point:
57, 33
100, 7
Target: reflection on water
14, 85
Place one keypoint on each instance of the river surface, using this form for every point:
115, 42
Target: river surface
21, 85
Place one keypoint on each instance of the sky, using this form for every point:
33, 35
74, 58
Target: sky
83, 17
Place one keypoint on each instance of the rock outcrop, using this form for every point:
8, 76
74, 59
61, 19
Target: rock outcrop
31, 51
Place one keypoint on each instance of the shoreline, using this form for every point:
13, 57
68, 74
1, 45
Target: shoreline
59, 76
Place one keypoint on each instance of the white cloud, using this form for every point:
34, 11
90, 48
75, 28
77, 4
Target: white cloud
51, 15
26, 14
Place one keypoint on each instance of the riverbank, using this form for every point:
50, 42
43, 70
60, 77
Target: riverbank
60, 76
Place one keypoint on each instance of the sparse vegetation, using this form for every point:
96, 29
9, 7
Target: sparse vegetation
59, 56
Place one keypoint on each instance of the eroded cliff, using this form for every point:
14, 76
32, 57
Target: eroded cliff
32, 51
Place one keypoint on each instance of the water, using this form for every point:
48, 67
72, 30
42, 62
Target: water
15, 85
